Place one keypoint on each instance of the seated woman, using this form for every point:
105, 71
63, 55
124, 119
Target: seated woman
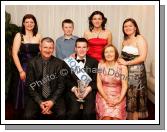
112, 86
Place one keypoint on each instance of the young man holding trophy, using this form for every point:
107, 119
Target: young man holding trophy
81, 83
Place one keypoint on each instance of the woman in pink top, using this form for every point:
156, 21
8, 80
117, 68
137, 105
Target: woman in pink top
97, 35
112, 86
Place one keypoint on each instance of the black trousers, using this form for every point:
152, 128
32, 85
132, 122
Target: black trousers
73, 107
33, 111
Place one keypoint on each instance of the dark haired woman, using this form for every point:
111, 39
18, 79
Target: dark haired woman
25, 46
98, 36
134, 54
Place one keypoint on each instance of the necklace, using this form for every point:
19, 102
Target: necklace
97, 33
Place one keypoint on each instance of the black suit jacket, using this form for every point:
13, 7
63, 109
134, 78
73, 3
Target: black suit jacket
35, 75
90, 68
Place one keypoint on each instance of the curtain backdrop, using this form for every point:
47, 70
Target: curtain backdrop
49, 18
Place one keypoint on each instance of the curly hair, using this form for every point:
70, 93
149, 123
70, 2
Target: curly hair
91, 26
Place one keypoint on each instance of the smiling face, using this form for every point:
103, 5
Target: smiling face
46, 49
29, 24
68, 29
97, 21
81, 49
129, 28
109, 54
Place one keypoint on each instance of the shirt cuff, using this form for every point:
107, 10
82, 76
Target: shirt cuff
73, 88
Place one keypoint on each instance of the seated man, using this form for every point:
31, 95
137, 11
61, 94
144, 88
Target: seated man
87, 70
45, 84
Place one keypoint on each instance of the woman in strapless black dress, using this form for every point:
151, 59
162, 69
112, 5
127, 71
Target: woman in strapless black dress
134, 54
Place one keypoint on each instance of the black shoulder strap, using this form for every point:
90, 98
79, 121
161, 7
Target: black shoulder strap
22, 39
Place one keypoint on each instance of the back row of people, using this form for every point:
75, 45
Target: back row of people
26, 45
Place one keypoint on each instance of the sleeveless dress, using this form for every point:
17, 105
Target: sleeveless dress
111, 84
137, 83
96, 46
27, 51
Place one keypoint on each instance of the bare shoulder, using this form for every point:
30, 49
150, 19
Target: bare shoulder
18, 35
38, 35
87, 34
124, 42
141, 39
101, 63
107, 31
17, 38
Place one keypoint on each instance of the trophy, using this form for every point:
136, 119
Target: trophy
81, 89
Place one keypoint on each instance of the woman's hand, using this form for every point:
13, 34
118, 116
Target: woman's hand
110, 102
122, 62
113, 102
117, 101
22, 75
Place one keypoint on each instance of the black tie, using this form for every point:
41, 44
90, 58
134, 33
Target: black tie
81, 61
45, 86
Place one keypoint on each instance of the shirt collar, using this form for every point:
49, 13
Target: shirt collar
45, 60
64, 38
77, 58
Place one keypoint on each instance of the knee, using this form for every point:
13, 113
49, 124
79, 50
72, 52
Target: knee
73, 114
28, 116
61, 115
89, 115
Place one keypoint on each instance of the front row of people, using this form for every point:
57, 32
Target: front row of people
52, 85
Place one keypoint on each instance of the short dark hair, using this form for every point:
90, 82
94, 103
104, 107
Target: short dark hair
67, 21
134, 23
81, 40
35, 29
115, 49
91, 26
47, 39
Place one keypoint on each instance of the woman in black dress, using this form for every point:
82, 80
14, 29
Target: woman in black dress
134, 54
25, 46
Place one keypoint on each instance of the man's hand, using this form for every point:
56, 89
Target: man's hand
86, 91
49, 104
46, 106
43, 108
75, 91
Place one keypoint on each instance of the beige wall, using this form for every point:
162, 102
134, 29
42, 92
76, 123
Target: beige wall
50, 17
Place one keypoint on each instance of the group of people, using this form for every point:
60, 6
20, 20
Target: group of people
116, 86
